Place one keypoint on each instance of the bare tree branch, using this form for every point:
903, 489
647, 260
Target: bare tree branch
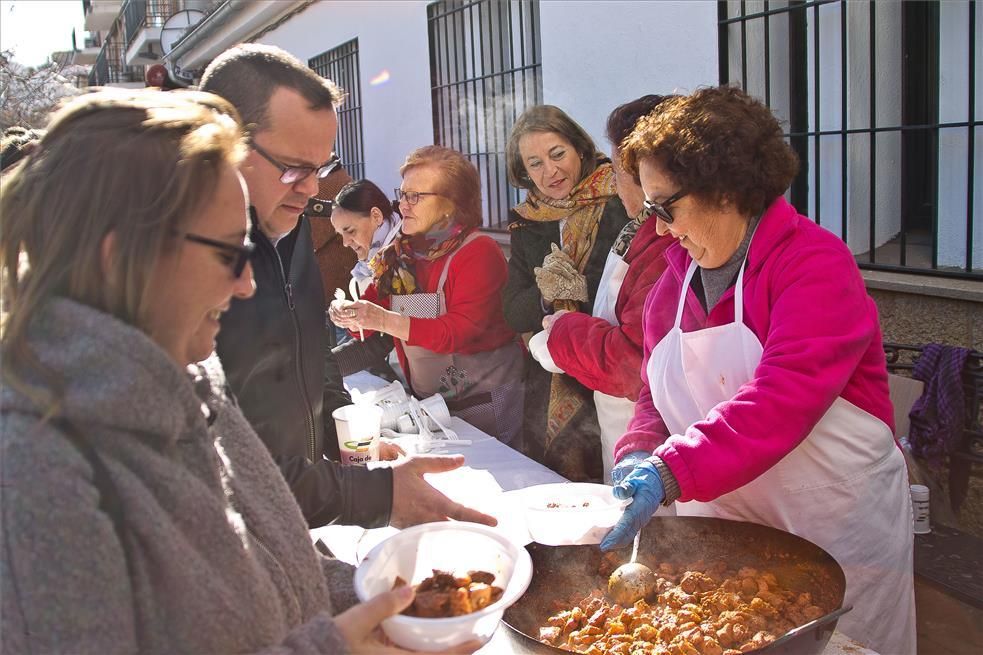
28, 94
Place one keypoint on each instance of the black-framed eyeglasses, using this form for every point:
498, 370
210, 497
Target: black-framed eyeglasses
239, 255
295, 174
412, 197
661, 209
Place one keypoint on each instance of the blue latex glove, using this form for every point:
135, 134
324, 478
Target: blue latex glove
627, 464
645, 486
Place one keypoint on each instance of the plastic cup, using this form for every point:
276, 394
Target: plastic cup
437, 408
357, 427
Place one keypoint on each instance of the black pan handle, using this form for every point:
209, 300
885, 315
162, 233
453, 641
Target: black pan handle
811, 626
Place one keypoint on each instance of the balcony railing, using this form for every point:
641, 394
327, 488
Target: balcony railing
138, 14
109, 68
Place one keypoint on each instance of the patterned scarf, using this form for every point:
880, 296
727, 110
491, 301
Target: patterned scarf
394, 267
623, 241
362, 271
582, 210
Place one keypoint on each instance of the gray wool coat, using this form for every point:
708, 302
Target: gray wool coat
214, 557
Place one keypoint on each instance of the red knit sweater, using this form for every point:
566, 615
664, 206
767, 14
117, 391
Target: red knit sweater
475, 319
608, 357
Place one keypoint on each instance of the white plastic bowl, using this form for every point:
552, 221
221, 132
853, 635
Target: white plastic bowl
583, 512
413, 553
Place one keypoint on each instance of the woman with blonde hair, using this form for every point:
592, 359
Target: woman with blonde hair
140, 511
561, 235
439, 292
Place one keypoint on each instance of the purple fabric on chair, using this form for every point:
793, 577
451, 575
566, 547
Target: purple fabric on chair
938, 417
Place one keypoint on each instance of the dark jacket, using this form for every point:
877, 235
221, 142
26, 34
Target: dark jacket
372, 355
530, 243
275, 352
576, 452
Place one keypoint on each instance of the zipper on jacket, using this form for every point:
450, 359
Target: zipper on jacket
288, 289
298, 367
294, 596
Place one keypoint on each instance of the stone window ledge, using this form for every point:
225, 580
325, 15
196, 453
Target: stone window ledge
924, 285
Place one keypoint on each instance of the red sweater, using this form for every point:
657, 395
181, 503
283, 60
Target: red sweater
475, 319
605, 357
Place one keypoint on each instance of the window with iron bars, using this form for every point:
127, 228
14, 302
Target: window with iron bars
882, 105
340, 65
485, 70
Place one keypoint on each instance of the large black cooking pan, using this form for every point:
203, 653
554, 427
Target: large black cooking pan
799, 565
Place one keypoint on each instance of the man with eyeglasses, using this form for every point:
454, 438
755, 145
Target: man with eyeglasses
274, 346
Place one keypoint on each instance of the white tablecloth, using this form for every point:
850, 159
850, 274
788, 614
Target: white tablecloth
491, 469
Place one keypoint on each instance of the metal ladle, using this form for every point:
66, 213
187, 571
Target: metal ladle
632, 581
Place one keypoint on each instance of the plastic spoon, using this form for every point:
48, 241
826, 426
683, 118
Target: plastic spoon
340, 295
426, 436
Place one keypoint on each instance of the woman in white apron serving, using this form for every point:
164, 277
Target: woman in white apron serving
365, 219
765, 392
603, 350
439, 292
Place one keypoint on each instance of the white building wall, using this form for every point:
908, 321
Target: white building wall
598, 55
954, 142
392, 37
887, 145
602, 42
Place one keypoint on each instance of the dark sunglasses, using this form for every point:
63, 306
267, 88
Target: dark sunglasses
239, 255
294, 174
661, 209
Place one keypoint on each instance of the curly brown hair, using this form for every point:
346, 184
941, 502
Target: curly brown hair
719, 144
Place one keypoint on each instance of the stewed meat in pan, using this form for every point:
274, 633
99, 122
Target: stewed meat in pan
700, 608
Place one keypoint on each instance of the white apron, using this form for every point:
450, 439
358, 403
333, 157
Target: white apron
613, 413
845, 487
486, 389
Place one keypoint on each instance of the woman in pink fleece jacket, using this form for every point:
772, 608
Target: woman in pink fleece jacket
765, 393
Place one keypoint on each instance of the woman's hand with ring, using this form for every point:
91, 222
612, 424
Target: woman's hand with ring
343, 314
365, 315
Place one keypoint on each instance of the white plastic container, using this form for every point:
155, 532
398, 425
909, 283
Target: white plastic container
569, 513
919, 508
413, 553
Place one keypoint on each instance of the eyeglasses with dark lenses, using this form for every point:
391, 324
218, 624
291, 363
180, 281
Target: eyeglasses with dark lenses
238, 255
295, 174
412, 197
661, 209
